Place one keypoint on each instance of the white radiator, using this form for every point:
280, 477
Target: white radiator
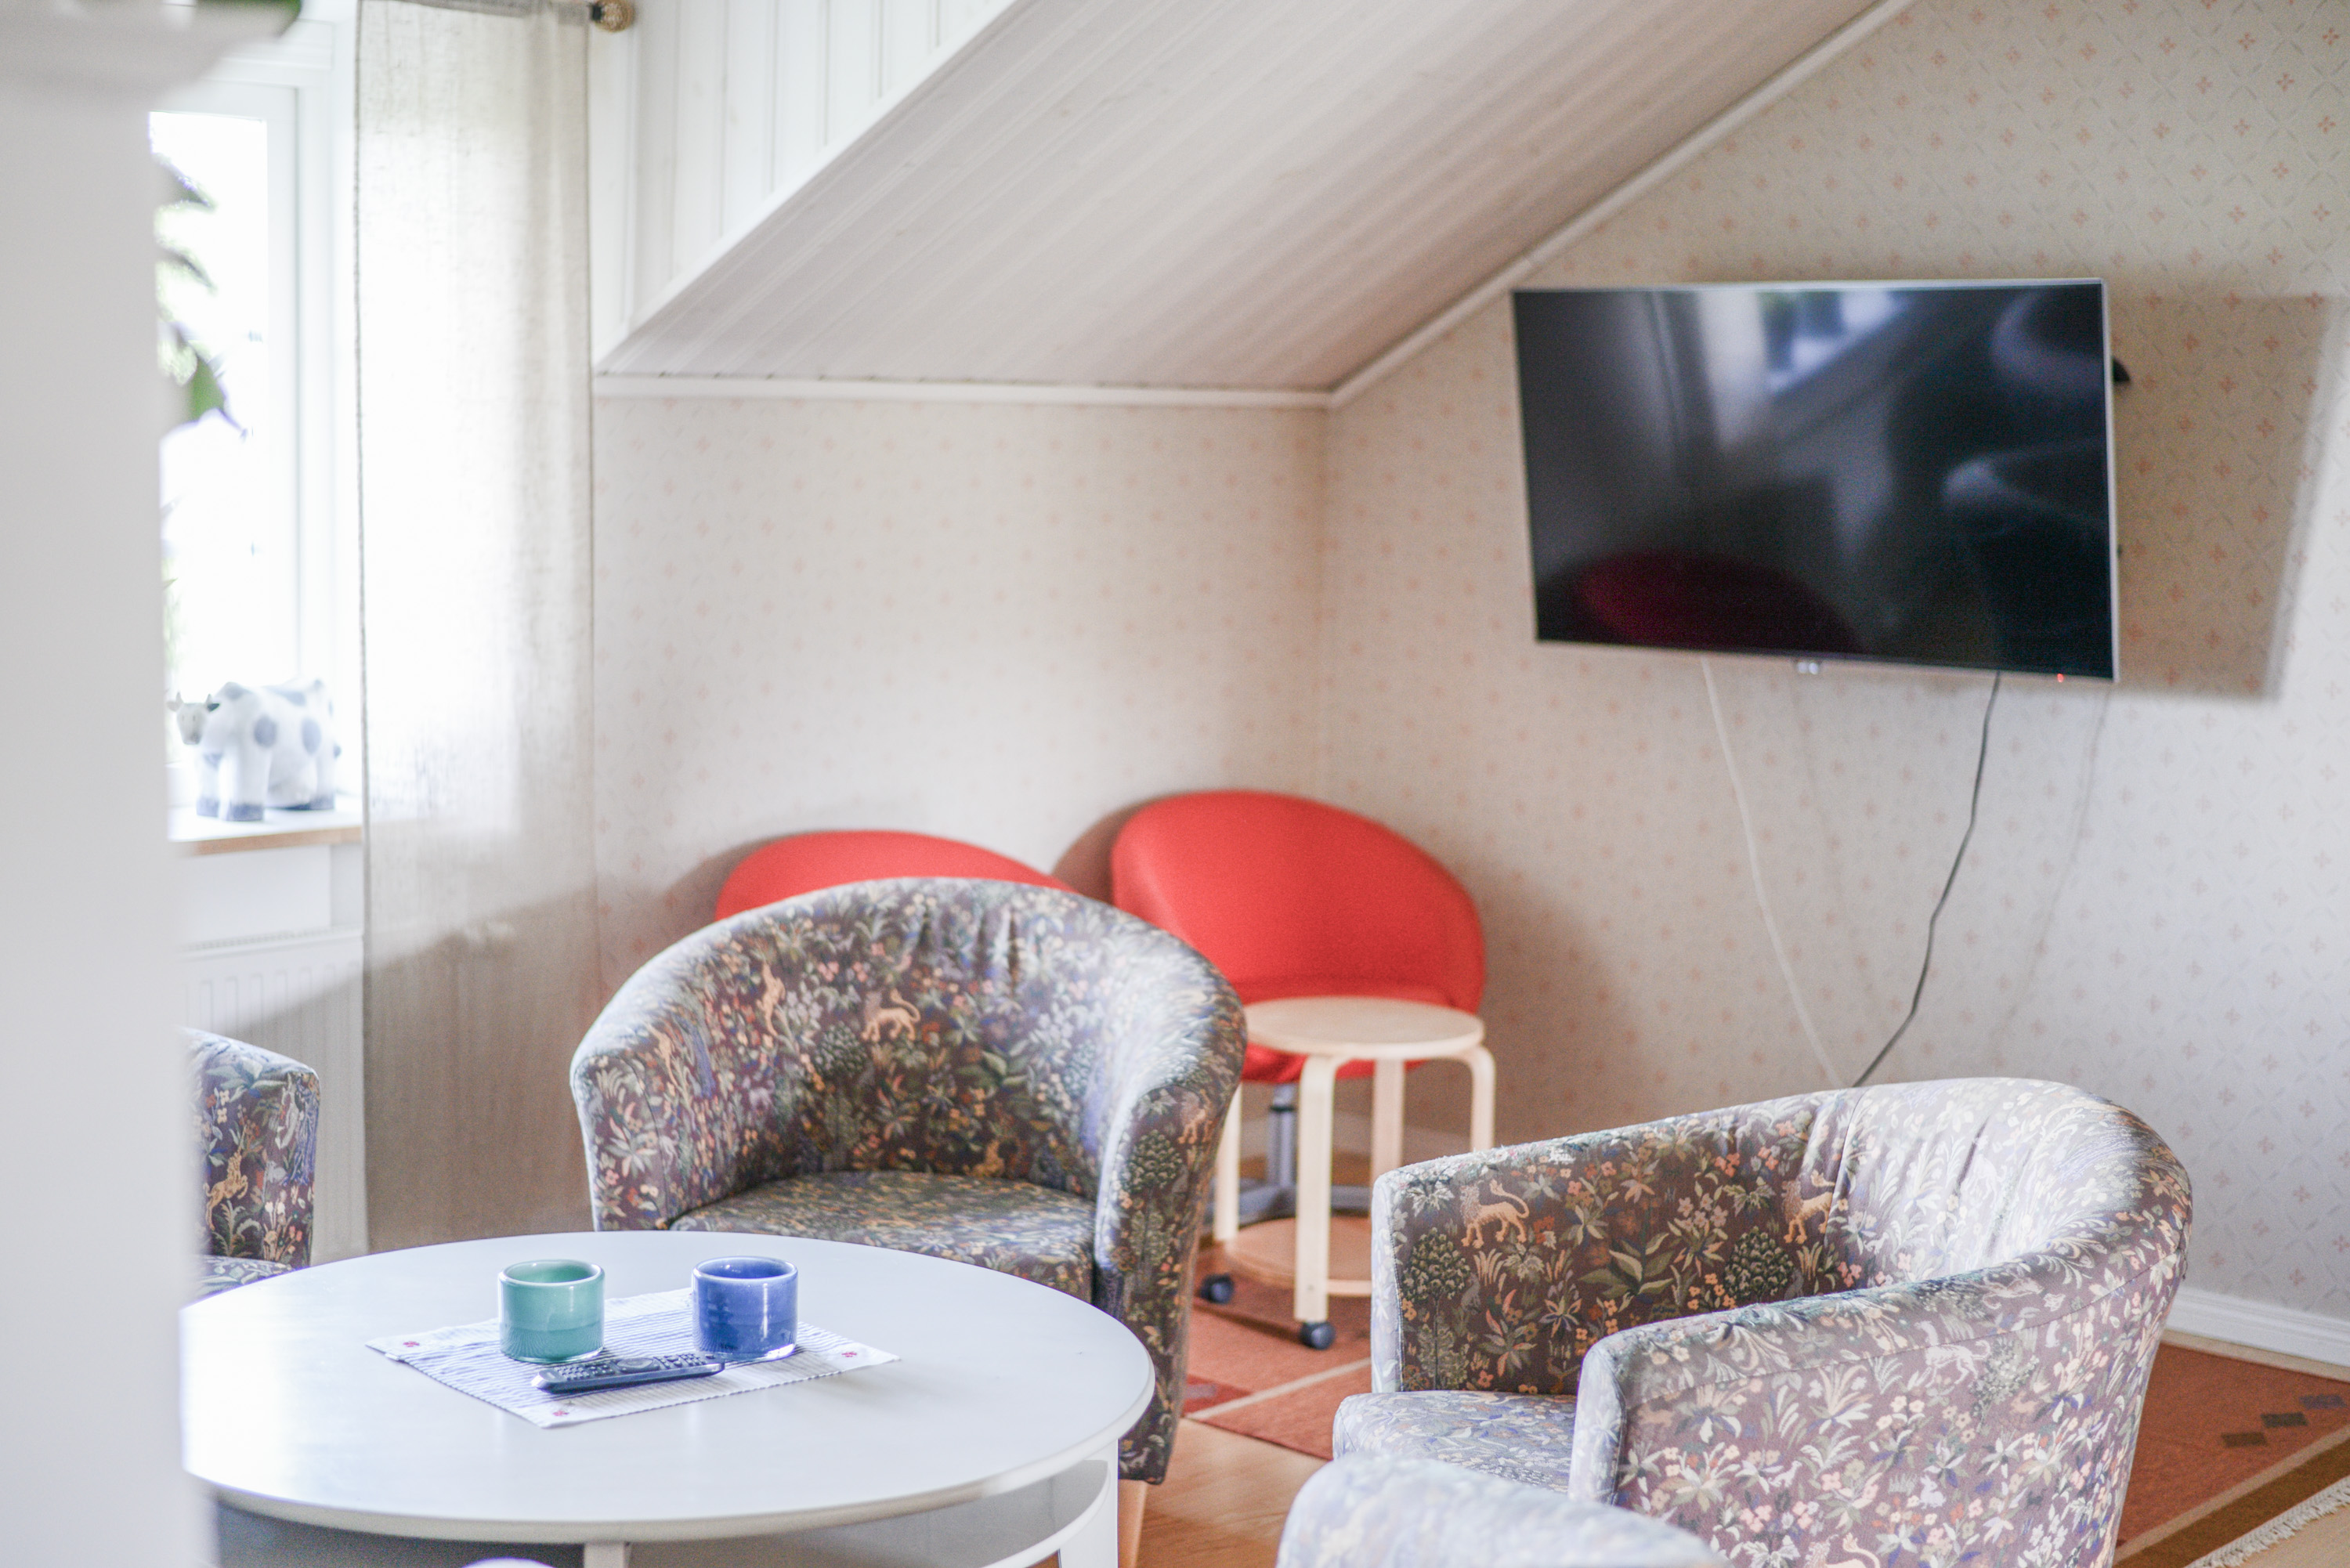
298, 994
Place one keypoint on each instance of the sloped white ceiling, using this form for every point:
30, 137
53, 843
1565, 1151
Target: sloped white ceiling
1230, 193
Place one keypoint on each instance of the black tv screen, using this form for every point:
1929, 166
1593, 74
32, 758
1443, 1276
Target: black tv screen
1918, 472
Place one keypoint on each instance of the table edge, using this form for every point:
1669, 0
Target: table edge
571, 1533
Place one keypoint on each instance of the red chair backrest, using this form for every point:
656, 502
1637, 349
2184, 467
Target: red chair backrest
805, 862
1292, 897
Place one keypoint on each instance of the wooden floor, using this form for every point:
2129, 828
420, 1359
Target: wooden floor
2323, 1543
1222, 1502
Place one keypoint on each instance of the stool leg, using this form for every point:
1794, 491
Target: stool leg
1281, 1137
1480, 1096
1386, 1117
1228, 1175
1316, 1100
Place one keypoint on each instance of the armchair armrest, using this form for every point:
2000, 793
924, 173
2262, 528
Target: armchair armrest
2004, 1400
1171, 1063
257, 1124
669, 1121
1419, 1513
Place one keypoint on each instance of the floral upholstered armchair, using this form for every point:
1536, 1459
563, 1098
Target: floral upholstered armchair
1370, 1512
1908, 1324
257, 1124
1012, 1076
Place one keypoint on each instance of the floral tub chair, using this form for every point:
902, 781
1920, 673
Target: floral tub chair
1910, 1324
1013, 1077
257, 1126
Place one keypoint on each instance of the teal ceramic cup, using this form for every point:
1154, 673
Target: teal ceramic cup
551, 1309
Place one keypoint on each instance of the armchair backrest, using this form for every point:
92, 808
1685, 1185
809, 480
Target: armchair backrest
1803, 1197
1904, 1183
1910, 1182
257, 1117
1290, 897
965, 1027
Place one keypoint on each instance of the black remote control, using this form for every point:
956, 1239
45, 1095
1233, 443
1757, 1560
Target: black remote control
623, 1371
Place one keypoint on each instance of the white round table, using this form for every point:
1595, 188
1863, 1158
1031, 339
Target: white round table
1330, 1031
993, 1441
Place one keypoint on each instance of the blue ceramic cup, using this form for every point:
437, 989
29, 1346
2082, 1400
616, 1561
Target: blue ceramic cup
551, 1309
745, 1308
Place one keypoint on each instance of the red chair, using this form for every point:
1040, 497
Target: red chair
805, 862
1292, 897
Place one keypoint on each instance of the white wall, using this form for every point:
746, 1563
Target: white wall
996, 623
2154, 905
100, 1148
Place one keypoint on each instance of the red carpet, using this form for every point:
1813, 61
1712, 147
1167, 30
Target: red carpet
1250, 1348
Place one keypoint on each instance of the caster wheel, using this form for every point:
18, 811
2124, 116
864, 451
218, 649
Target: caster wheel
1216, 1289
1316, 1335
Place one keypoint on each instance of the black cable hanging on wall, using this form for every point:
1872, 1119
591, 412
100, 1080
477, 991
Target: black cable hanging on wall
1974, 807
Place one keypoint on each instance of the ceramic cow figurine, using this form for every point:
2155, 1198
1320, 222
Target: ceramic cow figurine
260, 746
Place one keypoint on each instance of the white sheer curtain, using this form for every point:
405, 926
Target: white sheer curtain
474, 443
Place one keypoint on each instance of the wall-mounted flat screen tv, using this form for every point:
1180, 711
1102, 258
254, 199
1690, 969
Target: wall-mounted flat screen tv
1905, 471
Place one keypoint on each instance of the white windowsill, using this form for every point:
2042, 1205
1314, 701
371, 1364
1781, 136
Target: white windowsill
193, 835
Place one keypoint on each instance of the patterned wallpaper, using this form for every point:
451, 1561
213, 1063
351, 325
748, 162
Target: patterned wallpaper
2154, 904
1000, 623
996, 623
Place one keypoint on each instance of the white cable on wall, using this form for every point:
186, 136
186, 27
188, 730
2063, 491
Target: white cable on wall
1762, 900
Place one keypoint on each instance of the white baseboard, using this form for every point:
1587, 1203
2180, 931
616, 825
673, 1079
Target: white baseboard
2263, 1325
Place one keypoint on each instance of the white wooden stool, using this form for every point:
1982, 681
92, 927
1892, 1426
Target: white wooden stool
1330, 1031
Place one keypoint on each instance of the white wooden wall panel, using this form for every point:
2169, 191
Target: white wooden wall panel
958, 17
649, 157
853, 59
699, 158
801, 104
720, 108
910, 32
748, 141
612, 185
1171, 193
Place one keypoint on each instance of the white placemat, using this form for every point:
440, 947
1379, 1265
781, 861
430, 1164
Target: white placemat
466, 1357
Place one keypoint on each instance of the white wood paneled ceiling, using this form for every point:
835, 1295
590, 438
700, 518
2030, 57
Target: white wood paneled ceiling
1215, 193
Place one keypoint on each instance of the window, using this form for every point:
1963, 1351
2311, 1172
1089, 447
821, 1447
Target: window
231, 479
259, 547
